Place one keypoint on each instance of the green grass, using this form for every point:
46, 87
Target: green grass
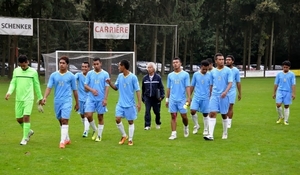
253, 131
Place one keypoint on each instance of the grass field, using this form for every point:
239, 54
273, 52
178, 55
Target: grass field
255, 144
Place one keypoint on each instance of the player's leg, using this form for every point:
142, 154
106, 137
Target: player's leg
185, 120
65, 113
287, 100
90, 108
147, 113
224, 106
100, 110
230, 115
173, 111
231, 96
27, 132
130, 115
214, 109
204, 109
193, 110
279, 101
156, 109
120, 126
84, 120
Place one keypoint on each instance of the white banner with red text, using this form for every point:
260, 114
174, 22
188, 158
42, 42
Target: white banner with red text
111, 31
16, 26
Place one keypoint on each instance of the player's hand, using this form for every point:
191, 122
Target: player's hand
138, 106
167, 104
40, 108
274, 96
44, 101
293, 96
104, 102
95, 92
7, 96
239, 97
223, 95
76, 107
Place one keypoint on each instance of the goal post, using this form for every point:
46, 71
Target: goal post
110, 61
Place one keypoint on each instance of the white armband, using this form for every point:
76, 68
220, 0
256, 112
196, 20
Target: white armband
167, 100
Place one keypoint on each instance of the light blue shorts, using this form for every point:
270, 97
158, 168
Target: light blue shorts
81, 107
177, 106
200, 105
232, 97
62, 110
218, 104
284, 97
95, 106
126, 112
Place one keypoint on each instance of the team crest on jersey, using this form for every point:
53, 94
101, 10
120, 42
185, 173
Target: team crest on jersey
284, 80
61, 83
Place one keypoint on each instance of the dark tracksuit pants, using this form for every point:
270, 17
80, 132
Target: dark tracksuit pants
155, 104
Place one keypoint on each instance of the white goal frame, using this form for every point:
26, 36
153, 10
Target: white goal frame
133, 65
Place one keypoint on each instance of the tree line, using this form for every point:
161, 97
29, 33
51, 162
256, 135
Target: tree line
264, 32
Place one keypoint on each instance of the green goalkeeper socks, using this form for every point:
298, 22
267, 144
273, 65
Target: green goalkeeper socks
26, 129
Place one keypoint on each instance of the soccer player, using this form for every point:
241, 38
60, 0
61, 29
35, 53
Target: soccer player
178, 84
201, 83
236, 84
127, 83
96, 84
64, 83
82, 94
221, 78
25, 80
152, 94
211, 64
284, 91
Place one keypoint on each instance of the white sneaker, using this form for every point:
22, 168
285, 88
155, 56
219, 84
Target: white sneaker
208, 137
229, 125
23, 142
157, 126
205, 132
172, 137
31, 132
186, 131
147, 128
224, 136
85, 134
196, 128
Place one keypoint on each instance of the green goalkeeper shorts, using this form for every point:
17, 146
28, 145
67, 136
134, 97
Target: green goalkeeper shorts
23, 108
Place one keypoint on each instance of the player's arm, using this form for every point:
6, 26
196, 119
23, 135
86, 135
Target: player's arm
228, 87
37, 88
111, 84
143, 88
138, 96
47, 93
167, 97
239, 87
275, 89
75, 93
294, 88
104, 102
162, 89
11, 87
188, 93
210, 90
88, 88
192, 89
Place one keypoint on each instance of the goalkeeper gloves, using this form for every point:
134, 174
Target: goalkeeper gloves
40, 107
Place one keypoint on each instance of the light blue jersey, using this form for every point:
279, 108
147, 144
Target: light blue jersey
97, 81
64, 84
285, 81
220, 79
201, 83
80, 79
235, 78
177, 83
127, 86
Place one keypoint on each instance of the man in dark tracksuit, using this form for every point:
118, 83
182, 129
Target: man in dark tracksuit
152, 94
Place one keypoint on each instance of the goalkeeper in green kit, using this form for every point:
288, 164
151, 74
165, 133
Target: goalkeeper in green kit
25, 80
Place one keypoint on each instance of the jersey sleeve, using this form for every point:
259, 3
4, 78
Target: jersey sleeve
12, 84
193, 83
37, 87
230, 76
73, 82
106, 77
135, 82
169, 81
117, 82
51, 81
187, 80
276, 82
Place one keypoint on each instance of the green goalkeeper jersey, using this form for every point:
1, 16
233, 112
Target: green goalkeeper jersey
25, 82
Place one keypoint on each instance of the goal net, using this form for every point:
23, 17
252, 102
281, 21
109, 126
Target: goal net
109, 59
